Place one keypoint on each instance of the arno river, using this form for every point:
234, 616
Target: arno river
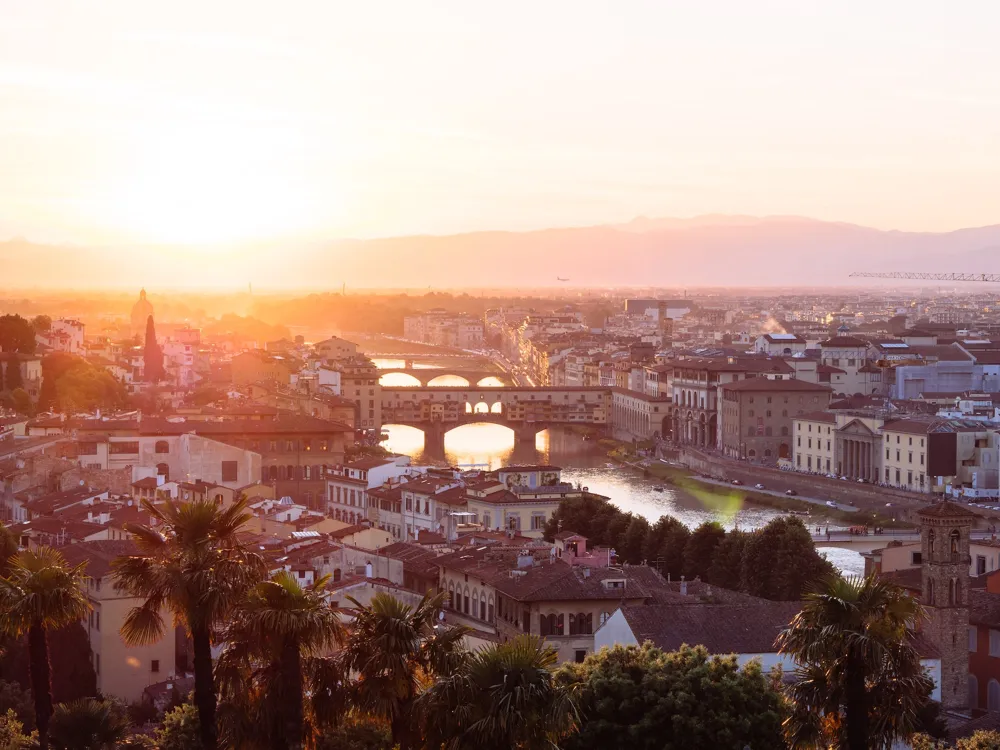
585, 463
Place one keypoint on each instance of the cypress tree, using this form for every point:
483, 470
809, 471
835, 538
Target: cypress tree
152, 356
1, 375
14, 379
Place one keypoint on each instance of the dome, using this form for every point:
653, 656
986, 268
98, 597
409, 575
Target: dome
141, 310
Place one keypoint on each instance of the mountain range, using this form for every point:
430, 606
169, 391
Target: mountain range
712, 250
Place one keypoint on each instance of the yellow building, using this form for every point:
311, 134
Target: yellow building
122, 671
814, 442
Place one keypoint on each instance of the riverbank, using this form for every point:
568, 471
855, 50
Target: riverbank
686, 480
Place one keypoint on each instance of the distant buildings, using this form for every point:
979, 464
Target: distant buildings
442, 328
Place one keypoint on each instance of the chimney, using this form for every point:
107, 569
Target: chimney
684, 587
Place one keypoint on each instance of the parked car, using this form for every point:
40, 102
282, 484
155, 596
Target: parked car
791, 493
759, 486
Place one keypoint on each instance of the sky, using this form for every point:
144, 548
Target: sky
209, 122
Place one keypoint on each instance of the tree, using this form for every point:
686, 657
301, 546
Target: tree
41, 323
16, 335
15, 698
273, 632
727, 562
8, 548
356, 732
70, 383
780, 561
392, 647
13, 381
21, 402
137, 742
194, 565
12, 736
642, 697
40, 593
502, 696
630, 547
181, 729
152, 358
700, 549
862, 684
89, 724
73, 675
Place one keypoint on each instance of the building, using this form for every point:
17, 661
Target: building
141, 311
347, 487
815, 441
335, 348
756, 415
123, 672
442, 328
780, 344
258, 365
359, 384
64, 335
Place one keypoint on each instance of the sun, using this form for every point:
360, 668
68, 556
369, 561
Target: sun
204, 184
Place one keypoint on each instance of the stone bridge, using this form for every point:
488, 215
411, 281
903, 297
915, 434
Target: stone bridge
427, 374
843, 539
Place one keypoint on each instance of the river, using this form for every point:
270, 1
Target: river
490, 446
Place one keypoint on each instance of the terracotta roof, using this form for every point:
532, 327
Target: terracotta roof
908, 578
844, 342
946, 509
766, 384
416, 559
984, 608
720, 628
818, 416
99, 554
284, 424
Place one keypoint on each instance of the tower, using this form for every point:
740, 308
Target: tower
944, 554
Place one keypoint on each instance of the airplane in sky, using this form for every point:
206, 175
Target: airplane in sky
560, 278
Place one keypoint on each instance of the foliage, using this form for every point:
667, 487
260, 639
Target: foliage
41, 323
70, 383
8, 548
73, 675
700, 549
137, 742
780, 561
180, 730
12, 736
356, 732
152, 356
16, 335
642, 697
13, 380
502, 696
89, 724
194, 565
861, 682
39, 593
21, 402
981, 740
262, 673
393, 649
13, 697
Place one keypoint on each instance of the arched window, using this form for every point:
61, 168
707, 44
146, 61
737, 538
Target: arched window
752, 453
954, 543
307, 472
930, 543
784, 431
603, 618
163, 470
482, 608
767, 453
930, 592
451, 595
572, 624
336, 575
973, 691
218, 499
281, 473
475, 602
993, 695
162, 446
560, 622
466, 602
489, 614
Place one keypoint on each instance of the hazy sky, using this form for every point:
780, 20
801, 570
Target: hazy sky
203, 121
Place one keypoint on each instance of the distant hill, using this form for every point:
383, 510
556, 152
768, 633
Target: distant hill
703, 251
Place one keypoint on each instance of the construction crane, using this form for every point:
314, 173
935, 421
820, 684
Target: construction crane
991, 277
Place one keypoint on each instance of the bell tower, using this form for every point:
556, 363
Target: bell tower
944, 549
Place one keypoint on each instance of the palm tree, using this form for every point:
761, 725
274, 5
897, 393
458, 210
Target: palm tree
264, 670
194, 565
394, 649
502, 696
862, 684
89, 724
40, 593
8, 548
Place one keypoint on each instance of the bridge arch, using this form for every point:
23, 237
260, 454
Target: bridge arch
436, 381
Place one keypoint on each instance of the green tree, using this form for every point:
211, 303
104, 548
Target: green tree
16, 335
13, 697
641, 697
502, 696
356, 732
12, 736
89, 724
72, 676
8, 548
780, 561
273, 634
152, 357
700, 549
180, 730
39, 593
194, 565
669, 556
727, 562
981, 740
862, 684
22, 402
13, 380
41, 323
392, 648
630, 547
137, 742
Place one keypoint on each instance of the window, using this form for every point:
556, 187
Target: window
980, 564
162, 446
994, 642
154, 666
123, 448
537, 521
579, 655
973, 691
97, 620
230, 471
916, 558
993, 694
973, 639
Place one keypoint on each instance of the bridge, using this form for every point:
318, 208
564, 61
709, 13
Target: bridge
844, 539
428, 374
527, 411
